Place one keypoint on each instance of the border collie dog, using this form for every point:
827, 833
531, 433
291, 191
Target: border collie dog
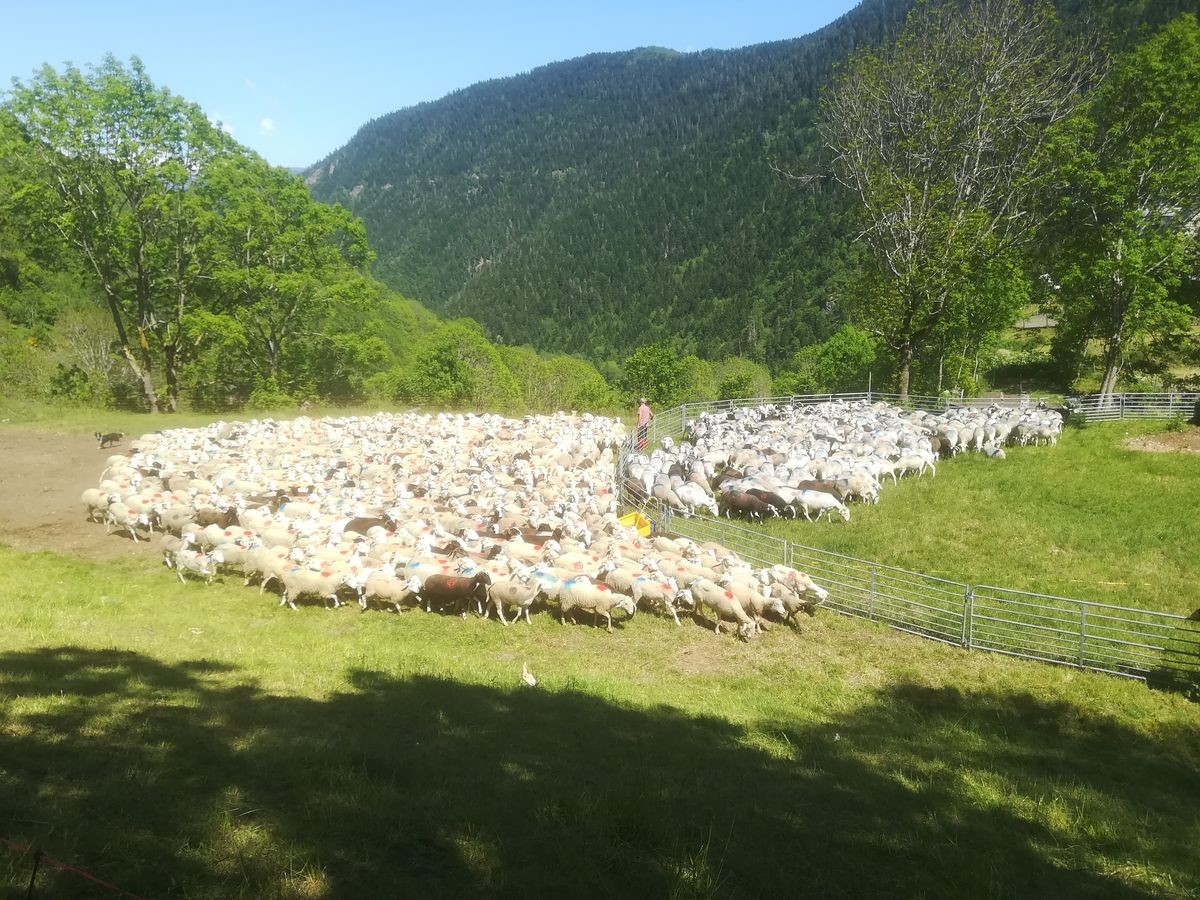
107, 440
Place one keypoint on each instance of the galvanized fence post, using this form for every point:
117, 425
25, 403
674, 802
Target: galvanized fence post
1083, 608
968, 626
871, 595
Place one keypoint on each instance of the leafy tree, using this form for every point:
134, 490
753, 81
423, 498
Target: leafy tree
125, 160
281, 261
551, 383
38, 276
1128, 168
458, 366
656, 372
699, 379
939, 138
737, 377
214, 375
839, 363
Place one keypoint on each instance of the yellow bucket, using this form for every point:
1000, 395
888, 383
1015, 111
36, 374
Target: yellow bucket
638, 521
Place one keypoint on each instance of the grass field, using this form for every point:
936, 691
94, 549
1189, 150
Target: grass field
1087, 519
201, 742
184, 741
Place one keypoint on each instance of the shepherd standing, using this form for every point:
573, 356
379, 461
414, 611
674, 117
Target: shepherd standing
644, 417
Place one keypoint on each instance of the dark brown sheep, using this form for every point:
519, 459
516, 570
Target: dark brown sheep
456, 591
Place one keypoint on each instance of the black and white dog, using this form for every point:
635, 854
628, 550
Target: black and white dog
107, 440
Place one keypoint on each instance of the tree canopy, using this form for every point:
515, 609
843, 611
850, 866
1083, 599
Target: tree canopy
939, 139
125, 162
1127, 203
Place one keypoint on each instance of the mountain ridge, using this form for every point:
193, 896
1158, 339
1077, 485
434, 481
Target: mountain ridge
600, 203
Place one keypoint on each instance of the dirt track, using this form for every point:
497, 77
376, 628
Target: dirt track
42, 474
1186, 441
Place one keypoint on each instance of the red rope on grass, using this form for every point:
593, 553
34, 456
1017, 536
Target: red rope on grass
62, 866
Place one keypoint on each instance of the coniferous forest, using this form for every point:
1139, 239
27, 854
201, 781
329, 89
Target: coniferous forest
608, 202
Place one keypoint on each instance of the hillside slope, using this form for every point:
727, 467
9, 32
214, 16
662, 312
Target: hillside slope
616, 199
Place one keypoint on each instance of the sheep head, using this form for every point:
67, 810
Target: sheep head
814, 588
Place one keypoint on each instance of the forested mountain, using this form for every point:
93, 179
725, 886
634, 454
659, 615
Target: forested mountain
613, 200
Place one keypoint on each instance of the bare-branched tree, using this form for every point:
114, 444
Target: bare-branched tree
940, 137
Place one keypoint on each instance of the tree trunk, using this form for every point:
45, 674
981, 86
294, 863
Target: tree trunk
1112, 371
1113, 360
274, 352
171, 375
905, 370
142, 373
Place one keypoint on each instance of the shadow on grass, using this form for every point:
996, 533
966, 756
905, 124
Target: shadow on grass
188, 780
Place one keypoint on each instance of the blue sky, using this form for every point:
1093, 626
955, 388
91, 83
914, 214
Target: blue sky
296, 81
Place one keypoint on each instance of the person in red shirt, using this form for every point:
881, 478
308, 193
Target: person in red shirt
644, 417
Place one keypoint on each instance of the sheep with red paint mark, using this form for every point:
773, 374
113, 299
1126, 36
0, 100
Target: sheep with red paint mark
723, 605
455, 592
581, 593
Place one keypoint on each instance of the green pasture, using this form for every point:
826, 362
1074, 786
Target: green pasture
192, 741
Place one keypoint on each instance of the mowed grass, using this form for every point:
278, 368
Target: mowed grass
201, 742
1086, 519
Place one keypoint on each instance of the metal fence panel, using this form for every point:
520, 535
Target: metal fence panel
1113, 407
1137, 643
908, 601
752, 546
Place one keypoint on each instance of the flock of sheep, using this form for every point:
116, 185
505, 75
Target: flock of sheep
812, 460
445, 512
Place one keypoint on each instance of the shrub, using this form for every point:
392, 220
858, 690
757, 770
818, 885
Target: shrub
267, 394
74, 384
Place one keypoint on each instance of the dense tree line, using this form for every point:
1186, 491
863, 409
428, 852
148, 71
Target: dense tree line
614, 200
147, 260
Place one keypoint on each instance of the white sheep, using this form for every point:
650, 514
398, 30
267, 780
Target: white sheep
599, 599
516, 591
195, 562
118, 515
300, 581
96, 502
821, 503
692, 495
723, 604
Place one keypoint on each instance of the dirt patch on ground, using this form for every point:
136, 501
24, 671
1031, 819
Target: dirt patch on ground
1186, 441
42, 474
